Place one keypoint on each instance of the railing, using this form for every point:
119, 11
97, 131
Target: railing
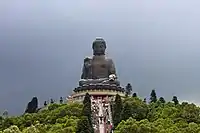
96, 91
110, 113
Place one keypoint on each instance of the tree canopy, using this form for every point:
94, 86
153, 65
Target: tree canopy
130, 115
158, 117
55, 118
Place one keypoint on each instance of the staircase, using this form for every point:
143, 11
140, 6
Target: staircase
101, 121
110, 113
101, 116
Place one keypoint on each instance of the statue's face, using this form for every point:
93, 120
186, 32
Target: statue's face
99, 48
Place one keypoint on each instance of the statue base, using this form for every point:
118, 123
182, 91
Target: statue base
97, 90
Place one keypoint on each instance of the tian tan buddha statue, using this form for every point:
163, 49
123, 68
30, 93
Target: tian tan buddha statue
98, 69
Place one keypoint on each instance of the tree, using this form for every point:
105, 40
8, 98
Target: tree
145, 100
117, 109
175, 100
136, 116
45, 103
133, 126
135, 108
83, 126
87, 109
51, 101
87, 105
134, 95
62, 119
61, 100
128, 89
127, 111
153, 97
5, 113
32, 106
31, 129
12, 129
191, 113
162, 100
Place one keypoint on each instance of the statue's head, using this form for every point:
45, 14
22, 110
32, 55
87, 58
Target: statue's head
99, 46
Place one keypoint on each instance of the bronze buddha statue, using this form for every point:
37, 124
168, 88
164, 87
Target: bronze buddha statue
98, 69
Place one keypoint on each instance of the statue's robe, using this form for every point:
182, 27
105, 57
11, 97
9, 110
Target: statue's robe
99, 67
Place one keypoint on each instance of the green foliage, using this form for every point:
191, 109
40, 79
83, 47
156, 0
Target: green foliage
87, 106
145, 100
135, 108
12, 129
87, 112
161, 117
158, 126
175, 100
32, 106
162, 100
53, 106
128, 89
117, 109
153, 97
84, 126
130, 115
134, 95
57, 118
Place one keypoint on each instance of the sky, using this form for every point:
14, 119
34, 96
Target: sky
154, 45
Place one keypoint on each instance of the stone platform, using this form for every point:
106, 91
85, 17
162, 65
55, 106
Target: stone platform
97, 90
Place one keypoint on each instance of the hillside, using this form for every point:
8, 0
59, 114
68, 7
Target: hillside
57, 118
158, 117
130, 115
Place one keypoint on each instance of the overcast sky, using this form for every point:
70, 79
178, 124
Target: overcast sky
154, 44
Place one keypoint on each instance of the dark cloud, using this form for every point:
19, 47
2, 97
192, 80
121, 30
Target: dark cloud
155, 44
